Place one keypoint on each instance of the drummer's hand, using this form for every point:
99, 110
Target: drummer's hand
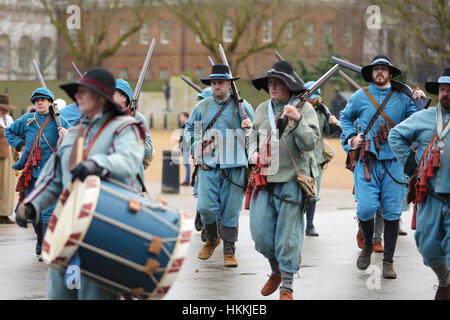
291, 112
24, 213
86, 168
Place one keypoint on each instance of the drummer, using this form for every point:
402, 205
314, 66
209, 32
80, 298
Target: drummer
116, 143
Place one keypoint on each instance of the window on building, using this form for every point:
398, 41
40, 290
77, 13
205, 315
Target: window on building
23, 59
44, 53
200, 72
163, 74
123, 73
2, 59
348, 36
144, 34
164, 31
70, 75
267, 30
309, 34
289, 32
123, 31
328, 33
227, 31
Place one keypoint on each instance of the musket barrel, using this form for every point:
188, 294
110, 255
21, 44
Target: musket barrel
211, 62
38, 74
321, 81
349, 80
190, 83
137, 89
346, 64
76, 69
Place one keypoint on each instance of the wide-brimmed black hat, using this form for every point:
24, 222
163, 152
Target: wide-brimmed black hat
433, 87
218, 72
99, 80
383, 60
281, 70
4, 103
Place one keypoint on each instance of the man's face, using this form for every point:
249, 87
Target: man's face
278, 90
220, 88
380, 75
444, 96
3, 112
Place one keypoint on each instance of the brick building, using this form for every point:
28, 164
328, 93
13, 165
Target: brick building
338, 25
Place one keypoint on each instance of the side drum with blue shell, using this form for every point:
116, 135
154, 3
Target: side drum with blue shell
127, 243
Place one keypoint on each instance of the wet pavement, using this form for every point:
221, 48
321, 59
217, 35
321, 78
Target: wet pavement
328, 270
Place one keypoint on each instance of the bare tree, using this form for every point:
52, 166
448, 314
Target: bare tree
88, 45
425, 24
246, 21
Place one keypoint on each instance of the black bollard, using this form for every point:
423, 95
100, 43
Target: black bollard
171, 172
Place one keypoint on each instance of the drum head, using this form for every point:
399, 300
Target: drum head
70, 221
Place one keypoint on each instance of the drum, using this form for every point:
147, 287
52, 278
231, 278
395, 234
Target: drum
128, 243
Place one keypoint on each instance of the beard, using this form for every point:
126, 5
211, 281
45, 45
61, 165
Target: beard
380, 80
445, 103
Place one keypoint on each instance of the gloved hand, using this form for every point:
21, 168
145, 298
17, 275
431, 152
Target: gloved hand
86, 168
24, 213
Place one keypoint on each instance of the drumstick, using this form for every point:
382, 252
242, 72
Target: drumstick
79, 158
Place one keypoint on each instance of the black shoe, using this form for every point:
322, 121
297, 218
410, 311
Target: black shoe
6, 220
310, 231
363, 261
203, 235
38, 248
198, 222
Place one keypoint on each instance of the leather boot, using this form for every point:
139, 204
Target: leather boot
286, 295
360, 240
271, 285
229, 260
377, 247
208, 249
388, 270
442, 293
363, 261
310, 231
198, 222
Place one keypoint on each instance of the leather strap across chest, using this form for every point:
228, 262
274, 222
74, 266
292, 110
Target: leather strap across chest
378, 107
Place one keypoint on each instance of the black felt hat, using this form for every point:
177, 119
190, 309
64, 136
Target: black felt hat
99, 80
281, 70
433, 87
218, 72
383, 60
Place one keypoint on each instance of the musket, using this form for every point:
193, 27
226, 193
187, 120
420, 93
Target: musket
211, 62
54, 110
76, 69
349, 80
239, 101
137, 89
421, 103
191, 84
296, 76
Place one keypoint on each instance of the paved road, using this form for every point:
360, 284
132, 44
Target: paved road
328, 269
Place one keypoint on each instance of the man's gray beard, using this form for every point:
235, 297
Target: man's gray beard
220, 97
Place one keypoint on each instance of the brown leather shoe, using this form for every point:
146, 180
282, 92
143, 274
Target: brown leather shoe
286, 295
208, 249
230, 260
360, 240
6, 220
442, 293
377, 247
271, 285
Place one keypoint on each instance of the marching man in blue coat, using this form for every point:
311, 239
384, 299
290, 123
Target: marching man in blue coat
378, 177
222, 176
22, 135
431, 165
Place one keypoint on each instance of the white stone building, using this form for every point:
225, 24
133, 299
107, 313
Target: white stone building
26, 34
